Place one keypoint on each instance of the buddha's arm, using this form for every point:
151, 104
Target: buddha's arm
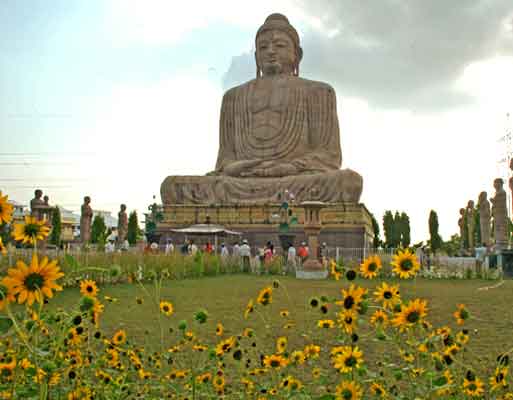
323, 133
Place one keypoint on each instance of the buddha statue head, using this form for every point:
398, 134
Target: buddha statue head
277, 47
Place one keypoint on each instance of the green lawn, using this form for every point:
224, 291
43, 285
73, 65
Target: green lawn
225, 298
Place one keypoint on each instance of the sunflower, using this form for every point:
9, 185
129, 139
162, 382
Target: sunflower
35, 282
281, 344
89, 288
204, 378
284, 313
379, 318
326, 323
265, 296
388, 295
352, 297
348, 320
312, 351
275, 361
249, 309
31, 231
225, 346
473, 388
3, 249
298, 357
347, 359
335, 270
405, 264
348, 391
461, 314
218, 382
166, 307
378, 390
370, 267
119, 337
498, 380
5, 209
411, 314
219, 329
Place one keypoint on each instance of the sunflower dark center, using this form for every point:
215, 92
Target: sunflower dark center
347, 394
350, 361
348, 320
406, 265
89, 289
275, 363
372, 267
413, 317
348, 302
387, 295
34, 281
472, 387
499, 377
31, 229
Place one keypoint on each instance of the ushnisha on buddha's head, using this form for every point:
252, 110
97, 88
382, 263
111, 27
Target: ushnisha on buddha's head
277, 48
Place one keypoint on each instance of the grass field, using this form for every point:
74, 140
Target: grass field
225, 298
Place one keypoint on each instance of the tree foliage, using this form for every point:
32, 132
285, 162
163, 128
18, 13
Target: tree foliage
375, 227
133, 228
388, 227
435, 238
405, 230
98, 230
55, 236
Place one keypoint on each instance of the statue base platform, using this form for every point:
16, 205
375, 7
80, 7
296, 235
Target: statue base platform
347, 225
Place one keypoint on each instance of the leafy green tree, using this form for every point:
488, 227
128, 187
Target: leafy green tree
55, 236
388, 227
405, 230
375, 227
98, 230
435, 238
452, 246
397, 229
133, 228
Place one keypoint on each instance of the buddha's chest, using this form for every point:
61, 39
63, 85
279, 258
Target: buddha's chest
268, 107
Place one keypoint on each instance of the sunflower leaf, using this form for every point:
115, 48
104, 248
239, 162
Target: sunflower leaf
5, 325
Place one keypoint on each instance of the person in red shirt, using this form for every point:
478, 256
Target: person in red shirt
302, 252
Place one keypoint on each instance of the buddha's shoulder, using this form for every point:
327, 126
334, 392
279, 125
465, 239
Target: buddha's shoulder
294, 82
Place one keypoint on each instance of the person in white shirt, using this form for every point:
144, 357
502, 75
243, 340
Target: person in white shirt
245, 253
109, 247
224, 251
291, 258
193, 249
169, 248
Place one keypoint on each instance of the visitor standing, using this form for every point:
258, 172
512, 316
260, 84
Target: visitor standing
192, 249
169, 248
245, 253
291, 258
302, 253
224, 251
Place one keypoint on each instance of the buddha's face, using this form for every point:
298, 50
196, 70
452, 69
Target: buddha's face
275, 53
497, 184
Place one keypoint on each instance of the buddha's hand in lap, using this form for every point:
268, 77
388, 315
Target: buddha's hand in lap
268, 169
239, 168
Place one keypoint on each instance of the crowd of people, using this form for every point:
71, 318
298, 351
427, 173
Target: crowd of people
256, 259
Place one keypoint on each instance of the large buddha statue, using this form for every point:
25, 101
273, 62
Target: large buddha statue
277, 132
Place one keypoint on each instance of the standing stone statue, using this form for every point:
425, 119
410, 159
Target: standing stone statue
500, 214
86, 217
470, 224
122, 225
484, 218
461, 224
277, 130
37, 205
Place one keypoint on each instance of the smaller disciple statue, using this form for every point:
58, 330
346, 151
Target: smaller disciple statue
500, 214
470, 224
37, 205
122, 224
484, 218
86, 217
461, 224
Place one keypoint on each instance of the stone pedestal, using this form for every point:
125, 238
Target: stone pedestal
344, 225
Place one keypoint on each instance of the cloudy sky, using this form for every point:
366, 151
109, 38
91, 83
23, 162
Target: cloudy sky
107, 98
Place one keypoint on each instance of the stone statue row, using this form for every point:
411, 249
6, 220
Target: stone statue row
86, 217
498, 212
